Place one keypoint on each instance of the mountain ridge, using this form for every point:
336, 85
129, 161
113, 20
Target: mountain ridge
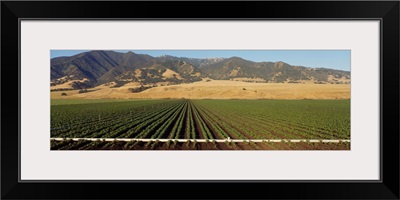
100, 67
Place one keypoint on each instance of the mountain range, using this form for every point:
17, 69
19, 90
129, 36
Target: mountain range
99, 67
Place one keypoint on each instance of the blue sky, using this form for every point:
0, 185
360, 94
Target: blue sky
334, 59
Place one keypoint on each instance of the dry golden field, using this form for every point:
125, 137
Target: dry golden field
217, 89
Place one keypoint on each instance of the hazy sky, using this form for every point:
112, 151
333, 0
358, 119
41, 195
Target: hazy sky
334, 59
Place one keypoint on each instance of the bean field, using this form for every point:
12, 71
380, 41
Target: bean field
183, 124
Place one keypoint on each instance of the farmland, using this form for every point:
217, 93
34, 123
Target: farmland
182, 124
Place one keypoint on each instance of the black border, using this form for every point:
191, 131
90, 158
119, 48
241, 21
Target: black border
387, 12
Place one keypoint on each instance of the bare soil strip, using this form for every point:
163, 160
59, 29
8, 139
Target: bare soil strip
198, 140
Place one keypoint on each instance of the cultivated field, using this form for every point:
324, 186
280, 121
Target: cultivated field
182, 124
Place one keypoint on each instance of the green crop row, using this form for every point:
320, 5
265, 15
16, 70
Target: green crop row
208, 119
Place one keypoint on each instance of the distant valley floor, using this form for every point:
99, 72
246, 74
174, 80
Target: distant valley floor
214, 89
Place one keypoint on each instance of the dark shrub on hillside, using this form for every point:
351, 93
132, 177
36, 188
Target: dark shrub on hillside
139, 89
